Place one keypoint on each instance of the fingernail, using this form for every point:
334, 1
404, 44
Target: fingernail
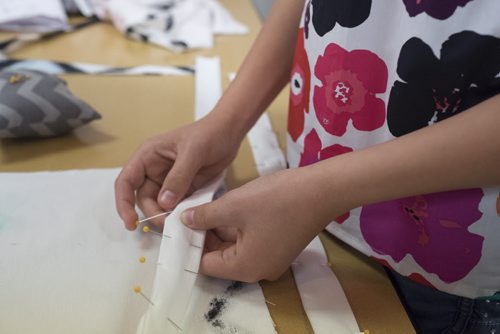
187, 217
168, 198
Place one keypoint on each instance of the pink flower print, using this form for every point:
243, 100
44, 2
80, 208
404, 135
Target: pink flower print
313, 153
299, 89
432, 228
350, 82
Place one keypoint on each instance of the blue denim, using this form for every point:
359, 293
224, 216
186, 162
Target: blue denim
436, 312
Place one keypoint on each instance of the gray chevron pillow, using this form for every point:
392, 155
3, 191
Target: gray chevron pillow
37, 104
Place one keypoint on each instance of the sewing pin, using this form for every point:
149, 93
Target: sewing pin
137, 289
142, 259
146, 229
267, 301
139, 222
174, 324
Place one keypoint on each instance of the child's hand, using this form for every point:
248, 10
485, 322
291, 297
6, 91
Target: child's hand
257, 230
169, 166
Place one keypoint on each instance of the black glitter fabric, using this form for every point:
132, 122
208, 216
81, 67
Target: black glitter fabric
219, 303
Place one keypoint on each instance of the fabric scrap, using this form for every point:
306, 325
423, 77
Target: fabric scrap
56, 67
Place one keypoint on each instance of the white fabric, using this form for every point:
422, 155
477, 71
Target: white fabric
84, 6
67, 264
243, 308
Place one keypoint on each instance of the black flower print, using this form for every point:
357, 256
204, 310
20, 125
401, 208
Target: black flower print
326, 13
433, 89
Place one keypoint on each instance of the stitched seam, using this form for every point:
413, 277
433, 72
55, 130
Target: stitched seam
485, 322
469, 315
450, 329
462, 316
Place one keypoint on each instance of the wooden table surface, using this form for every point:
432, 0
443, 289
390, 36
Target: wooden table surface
135, 108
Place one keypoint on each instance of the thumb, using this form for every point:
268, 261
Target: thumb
202, 217
177, 182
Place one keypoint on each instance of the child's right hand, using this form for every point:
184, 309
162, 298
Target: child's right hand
168, 166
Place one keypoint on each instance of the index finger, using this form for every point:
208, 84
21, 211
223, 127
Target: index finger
128, 181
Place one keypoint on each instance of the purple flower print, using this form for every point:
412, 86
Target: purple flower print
438, 9
432, 228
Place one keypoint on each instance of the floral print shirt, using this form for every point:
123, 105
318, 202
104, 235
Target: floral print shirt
366, 72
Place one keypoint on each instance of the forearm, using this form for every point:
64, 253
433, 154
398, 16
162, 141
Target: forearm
458, 153
265, 70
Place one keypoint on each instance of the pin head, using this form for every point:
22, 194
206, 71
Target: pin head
19, 77
137, 289
142, 259
145, 229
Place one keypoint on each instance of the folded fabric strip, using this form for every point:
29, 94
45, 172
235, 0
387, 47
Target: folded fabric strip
322, 295
56, 67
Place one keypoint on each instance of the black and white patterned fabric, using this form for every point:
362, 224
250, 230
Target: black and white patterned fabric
179, 25
35, 104
55, 67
